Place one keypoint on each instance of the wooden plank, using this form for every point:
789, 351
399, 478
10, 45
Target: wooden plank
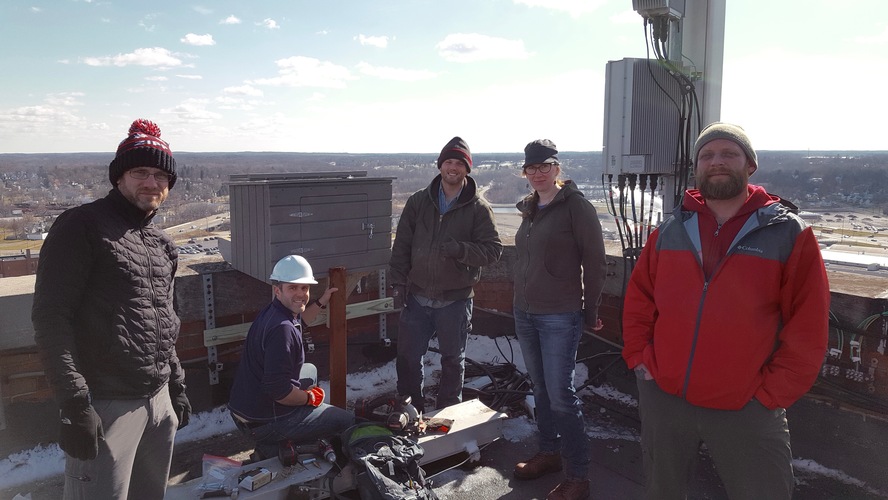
359, 310
234, 333
226, 334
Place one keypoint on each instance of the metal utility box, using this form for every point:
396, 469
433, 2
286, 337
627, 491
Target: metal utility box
333, 219
642, 118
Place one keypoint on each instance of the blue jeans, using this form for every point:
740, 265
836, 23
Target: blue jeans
304, 426
549, 344
416, 327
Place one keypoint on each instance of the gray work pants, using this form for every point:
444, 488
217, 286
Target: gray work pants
750, 447
134, 459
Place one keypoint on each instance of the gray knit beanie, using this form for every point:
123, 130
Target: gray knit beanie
734, 133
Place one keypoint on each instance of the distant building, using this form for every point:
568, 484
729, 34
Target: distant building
18, 265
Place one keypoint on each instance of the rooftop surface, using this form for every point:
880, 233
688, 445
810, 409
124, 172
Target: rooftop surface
838, 454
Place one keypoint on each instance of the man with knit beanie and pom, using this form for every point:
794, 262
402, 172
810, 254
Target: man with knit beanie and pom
445, 235
725, 322
106, 328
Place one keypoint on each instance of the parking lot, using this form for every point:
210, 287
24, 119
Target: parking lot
198, 246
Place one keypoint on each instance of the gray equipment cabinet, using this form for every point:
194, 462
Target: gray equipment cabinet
333, 219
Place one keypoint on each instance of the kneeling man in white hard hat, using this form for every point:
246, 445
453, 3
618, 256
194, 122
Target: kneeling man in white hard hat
268, 402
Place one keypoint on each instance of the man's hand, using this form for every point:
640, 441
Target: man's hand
452, 248
81, 429
315, 396
641, 372
180, 404
596, 327
399, 295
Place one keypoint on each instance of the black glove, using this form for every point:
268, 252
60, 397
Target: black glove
81, 429
452, 248
399, 294
180, 404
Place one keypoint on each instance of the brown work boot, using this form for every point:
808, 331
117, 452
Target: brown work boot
538, 466
570, 489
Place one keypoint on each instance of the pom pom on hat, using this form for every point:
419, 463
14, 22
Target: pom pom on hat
733, 133
142, 147
456, 149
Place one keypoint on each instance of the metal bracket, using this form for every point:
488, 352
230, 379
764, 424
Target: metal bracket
210, 318
2, 411
383, 324
365, 226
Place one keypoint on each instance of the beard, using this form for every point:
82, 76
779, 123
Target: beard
726, 189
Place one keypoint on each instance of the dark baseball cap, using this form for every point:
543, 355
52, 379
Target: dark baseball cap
540, 151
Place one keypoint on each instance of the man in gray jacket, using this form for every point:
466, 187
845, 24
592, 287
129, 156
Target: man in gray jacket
106, 327
445, 235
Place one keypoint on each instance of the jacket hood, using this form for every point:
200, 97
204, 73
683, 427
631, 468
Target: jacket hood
468, 194
528, 205
757, 198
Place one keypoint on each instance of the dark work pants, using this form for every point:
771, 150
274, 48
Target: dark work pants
417, 325
750, 447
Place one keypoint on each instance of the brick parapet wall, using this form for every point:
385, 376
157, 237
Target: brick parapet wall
238, 298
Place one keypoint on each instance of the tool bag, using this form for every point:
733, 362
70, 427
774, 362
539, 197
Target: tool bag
387, 464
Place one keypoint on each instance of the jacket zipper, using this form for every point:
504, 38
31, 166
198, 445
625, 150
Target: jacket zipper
527, 263
153, 297
706, 282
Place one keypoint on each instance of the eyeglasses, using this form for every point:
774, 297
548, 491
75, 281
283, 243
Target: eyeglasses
532, 169
142, 174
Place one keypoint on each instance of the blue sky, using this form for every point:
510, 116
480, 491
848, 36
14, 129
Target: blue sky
366, 76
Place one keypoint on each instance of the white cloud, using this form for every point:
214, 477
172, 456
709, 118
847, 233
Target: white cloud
322, 32
573, 7
193, 110
234, 103
64, 99
300, 71
230, 20
146, 22
49, 115
200, 9
404, 75
190, 77
473, 47
198, 40
157, 78
155, 56
373, 41
36, 10
243, 90
877, 39
269, 23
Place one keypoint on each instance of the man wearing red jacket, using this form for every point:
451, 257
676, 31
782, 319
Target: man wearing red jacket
725, 323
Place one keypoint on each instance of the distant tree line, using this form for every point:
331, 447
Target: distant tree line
202, 186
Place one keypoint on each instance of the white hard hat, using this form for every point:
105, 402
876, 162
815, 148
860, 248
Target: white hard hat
293, 269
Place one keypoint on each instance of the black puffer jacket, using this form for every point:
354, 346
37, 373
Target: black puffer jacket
103, 313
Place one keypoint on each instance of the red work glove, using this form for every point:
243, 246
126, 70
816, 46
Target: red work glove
315, 396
